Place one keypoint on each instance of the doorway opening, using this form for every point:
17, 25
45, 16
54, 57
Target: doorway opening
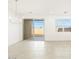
33, 29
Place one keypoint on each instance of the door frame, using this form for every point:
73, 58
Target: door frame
26, 19
31, 19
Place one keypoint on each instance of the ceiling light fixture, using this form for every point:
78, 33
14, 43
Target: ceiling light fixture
16, 7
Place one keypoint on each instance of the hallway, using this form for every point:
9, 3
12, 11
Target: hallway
40, 50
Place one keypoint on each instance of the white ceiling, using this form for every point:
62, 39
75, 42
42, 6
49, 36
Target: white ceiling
40, 7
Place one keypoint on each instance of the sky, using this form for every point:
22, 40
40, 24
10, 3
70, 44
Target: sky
63, 23
38, 24
59, 23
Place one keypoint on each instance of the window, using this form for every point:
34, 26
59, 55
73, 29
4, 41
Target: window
38, 27
63, 25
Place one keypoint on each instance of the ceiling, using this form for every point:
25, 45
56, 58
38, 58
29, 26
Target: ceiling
40, 7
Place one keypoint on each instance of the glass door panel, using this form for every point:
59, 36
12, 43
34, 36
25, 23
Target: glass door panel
38, 28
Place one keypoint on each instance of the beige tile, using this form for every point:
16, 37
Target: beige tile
40, 50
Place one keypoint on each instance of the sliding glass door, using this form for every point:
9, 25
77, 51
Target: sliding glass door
38, 29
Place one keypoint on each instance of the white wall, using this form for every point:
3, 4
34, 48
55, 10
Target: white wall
14, 30
42, 9
50, 32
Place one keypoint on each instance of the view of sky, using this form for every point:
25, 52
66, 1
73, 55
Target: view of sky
38, 24
59, 23
63, 23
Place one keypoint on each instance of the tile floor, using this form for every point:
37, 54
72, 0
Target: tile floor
38, 38
40, 50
